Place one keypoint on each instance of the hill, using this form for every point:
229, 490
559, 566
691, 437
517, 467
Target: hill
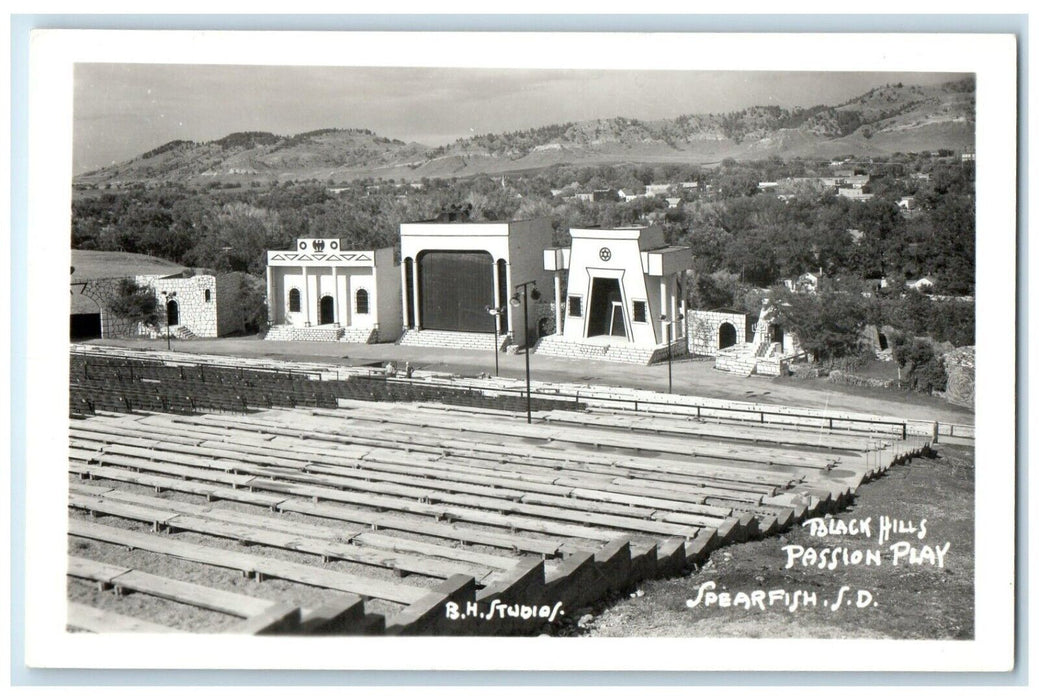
885, 120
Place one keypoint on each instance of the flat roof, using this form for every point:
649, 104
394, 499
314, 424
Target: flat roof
106, 264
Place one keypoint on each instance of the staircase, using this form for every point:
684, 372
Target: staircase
557, 346
183, 333
289, 332
459, 340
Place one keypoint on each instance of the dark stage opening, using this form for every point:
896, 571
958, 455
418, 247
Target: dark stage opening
84, 326
454, 290
606, 311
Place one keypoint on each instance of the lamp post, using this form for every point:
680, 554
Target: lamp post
521, 289
166, 296
496, 315
669, 323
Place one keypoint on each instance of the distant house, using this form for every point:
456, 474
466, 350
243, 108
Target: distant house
907, 203
629, 193
690, 185
969, 156
657, 189
766, 186
673, 202
876, 284
854, 194
922, 285
808, 282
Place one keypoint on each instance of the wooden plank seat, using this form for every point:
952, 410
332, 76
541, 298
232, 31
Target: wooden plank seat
90, 619
250, 564
374, 540
752, 473
122, 579
162, 483
579, 436
683, 427
571, 513
328, 550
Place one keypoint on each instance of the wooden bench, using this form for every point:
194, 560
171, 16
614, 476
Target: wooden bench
250, 564
121, 578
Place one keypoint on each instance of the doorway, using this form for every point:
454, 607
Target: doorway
326, 311
726, 336
606, 309
172, 313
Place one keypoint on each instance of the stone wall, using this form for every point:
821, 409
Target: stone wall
703, 329
194, 310
959, 366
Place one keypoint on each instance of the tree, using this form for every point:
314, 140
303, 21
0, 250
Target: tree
922, 367
134, 303
828, 324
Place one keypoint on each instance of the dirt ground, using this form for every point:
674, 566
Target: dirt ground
902, 600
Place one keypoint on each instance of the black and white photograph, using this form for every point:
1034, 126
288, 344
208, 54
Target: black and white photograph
596, 347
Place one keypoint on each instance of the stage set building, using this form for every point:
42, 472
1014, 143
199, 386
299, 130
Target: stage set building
624, 296
458, 277
321, 292
192, 303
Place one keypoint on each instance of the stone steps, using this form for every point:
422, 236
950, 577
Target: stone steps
557, 346
452, 339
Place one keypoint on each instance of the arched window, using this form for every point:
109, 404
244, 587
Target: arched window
361, 301
294, 304
209, 296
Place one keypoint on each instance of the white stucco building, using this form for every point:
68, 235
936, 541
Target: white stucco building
321, 292
624, 295
454, 270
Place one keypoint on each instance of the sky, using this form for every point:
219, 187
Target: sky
123, 110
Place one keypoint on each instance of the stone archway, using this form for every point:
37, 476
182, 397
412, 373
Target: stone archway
726, 335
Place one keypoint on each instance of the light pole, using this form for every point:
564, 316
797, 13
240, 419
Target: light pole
521, 289
669, 323
496, 315
166, 296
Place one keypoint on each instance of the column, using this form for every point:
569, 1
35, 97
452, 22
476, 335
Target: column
403, 294
509, 308
497, 291
306, 294
674, 311
271, 315
663, 308
414, 295
335, 294
558, 280
681, 306
373, 299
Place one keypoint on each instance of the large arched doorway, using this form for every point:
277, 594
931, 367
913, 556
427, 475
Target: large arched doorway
326, 310
605, 311
726, 336
172, 313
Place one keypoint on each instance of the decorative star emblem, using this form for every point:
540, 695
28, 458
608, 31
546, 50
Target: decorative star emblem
605, 254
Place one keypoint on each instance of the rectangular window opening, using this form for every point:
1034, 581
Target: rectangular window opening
573, 306
639, 313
